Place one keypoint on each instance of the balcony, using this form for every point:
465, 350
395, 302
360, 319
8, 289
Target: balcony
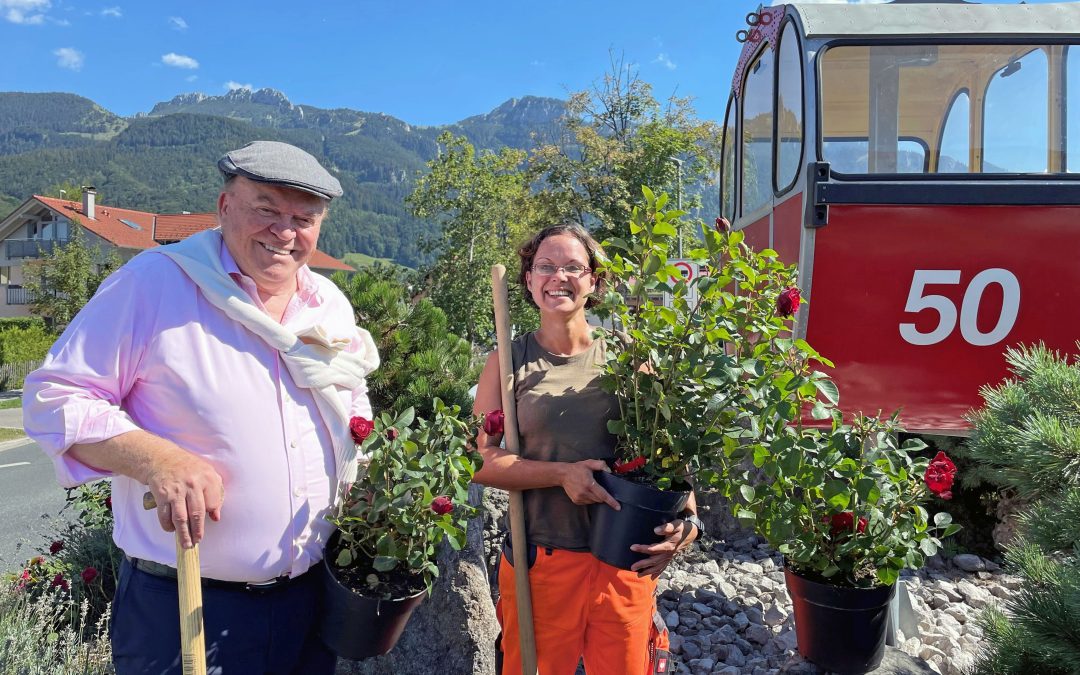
31, 248
17, 295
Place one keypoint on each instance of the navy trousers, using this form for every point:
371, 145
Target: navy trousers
256, 633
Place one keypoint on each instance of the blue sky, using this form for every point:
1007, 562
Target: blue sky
423, 61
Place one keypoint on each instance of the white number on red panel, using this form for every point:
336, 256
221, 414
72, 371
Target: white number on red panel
919, 299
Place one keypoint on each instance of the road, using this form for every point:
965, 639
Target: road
28, 493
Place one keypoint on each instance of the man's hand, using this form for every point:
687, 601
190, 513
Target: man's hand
582, 488
678, 534
187, 490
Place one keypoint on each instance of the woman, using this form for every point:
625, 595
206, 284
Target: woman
581, 606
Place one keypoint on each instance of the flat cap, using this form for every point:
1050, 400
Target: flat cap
280, 164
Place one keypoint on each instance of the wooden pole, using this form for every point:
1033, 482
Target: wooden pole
189, 588
526, 632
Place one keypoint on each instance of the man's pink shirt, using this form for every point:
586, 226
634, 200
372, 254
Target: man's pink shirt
150, 352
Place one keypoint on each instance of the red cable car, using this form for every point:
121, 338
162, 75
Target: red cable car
921, 164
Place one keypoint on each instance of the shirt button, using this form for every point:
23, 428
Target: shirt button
293, 444
299, 492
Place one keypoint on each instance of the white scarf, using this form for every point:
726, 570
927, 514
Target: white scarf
314, 360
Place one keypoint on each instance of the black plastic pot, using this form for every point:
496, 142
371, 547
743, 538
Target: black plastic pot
357, 627
643, 509
839, 629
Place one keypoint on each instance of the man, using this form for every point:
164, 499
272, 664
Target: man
218, 374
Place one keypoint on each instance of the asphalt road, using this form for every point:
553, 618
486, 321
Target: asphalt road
28, 495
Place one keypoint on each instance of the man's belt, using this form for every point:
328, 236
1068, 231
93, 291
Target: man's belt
166, 572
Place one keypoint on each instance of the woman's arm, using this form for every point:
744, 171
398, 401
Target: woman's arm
507, 471
678, 534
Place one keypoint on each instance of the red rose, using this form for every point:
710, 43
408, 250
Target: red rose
89, 574
626, 467
442, 505
108, 503
493, 423
56, 547
842, 523
25, 576
360, 428
391, 434
939, 475
722, 225
60, 581
788, 302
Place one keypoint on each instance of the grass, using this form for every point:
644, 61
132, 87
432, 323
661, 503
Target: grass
362, 260
9, 403
11, 434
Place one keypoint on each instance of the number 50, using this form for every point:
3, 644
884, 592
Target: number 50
917, 301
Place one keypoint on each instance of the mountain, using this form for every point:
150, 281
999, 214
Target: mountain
165, 160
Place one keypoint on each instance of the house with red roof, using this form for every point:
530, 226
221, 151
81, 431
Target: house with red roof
40, 224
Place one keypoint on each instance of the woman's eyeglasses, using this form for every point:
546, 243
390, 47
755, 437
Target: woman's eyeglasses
572, 270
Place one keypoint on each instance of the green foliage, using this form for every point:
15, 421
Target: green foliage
1026, 436
615, 139
420, 358
63, 281
18, 345
21, 322
683, 378
472, 196
390, 518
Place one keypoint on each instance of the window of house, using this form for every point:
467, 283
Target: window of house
757, 133
5, 274
789, 106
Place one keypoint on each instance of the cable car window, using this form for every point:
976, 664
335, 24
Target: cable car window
1072, 107
789, 106
757, 132
874, 98
850, 155
727, 168
955, 149
1015, 116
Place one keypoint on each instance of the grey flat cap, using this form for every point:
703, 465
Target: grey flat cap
280, 164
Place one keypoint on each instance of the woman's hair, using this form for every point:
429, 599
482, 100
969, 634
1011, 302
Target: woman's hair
527, 252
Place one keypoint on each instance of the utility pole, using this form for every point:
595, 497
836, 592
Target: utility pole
678, 195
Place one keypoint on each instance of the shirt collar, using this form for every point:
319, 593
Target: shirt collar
307, 288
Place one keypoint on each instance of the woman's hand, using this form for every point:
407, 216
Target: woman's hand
581, 487
678, 534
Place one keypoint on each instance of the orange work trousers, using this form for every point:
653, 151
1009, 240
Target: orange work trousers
584, 607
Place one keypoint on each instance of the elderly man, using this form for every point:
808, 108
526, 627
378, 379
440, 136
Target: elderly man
219, 374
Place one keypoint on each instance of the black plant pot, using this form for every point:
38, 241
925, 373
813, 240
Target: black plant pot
355, 626
644, 508
839, 629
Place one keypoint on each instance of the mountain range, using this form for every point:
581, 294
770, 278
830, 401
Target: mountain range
165, 160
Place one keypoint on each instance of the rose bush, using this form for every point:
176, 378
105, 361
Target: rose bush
411, 493
687, 356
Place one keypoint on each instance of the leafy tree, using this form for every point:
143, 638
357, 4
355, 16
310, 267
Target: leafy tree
475, 197
617, 138
61, 282
421, 358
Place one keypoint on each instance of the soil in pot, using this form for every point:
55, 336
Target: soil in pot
355, 625
839, 629
644, 508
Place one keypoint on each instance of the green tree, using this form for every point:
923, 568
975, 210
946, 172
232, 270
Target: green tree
421, 358
478, 199
616, 138
65, 279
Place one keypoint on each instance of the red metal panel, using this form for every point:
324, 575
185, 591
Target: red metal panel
866, 262
757, 234
787, 228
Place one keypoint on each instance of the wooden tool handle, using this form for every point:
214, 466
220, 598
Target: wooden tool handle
189, 588
526, 632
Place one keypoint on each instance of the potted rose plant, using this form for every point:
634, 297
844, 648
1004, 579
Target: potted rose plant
410, 494
845, 505
679, 362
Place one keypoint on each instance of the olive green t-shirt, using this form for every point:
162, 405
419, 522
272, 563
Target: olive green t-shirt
562, 415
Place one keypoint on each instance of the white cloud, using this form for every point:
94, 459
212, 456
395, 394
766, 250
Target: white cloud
27, 12
666, 62
69, 57
179, 61
230, 86
191, 78
114, 12
178, 22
